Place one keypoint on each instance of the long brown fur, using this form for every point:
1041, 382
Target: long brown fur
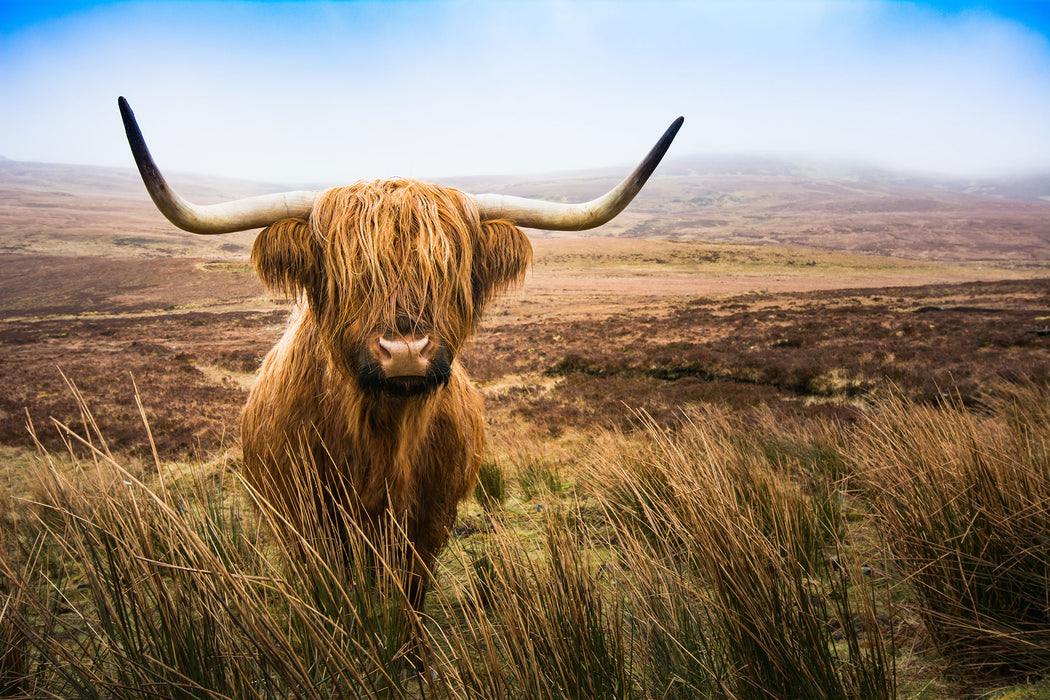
370, 254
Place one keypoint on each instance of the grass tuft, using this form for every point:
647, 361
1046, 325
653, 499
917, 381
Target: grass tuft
491, 489
537, 476
963, 501
754, 608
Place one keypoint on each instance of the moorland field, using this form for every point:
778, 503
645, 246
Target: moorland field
757, 359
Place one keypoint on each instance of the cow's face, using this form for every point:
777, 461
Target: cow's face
396, 274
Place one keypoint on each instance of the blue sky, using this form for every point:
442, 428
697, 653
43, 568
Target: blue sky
305, 92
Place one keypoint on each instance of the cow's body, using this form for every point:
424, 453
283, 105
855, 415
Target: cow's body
413, 458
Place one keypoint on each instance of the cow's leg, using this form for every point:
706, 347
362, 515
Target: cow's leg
416, 586
428, 536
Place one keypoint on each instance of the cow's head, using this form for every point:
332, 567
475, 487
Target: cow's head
396, 274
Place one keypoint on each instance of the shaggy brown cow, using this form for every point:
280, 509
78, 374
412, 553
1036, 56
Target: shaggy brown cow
390, 278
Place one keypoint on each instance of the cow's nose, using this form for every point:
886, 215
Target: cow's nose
405, 357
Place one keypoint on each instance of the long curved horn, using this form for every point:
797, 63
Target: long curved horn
238, 215
555, 216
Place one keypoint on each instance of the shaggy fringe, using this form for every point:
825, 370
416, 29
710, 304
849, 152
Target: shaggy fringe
392, 249
383, 254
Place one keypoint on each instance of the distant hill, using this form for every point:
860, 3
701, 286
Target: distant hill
125, 182
77, 210
1032, 187
85, 210
819, 204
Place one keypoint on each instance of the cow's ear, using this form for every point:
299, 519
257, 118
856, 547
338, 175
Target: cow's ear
286, 258
502, 256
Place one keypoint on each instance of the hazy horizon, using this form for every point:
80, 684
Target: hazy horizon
804, 164
334, 92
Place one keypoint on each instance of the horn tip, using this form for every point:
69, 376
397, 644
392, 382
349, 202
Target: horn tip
125, 110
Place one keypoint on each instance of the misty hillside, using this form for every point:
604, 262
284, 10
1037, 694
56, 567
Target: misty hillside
90, 180
1033, 187
76, 210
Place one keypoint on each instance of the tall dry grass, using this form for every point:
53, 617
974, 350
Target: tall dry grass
963, 501
729, 558
538, 620
739, 586
173, 588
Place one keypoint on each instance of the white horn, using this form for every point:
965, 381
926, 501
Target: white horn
238, 215
555, 216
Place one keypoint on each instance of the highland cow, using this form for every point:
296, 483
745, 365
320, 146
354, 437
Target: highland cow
390, 279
